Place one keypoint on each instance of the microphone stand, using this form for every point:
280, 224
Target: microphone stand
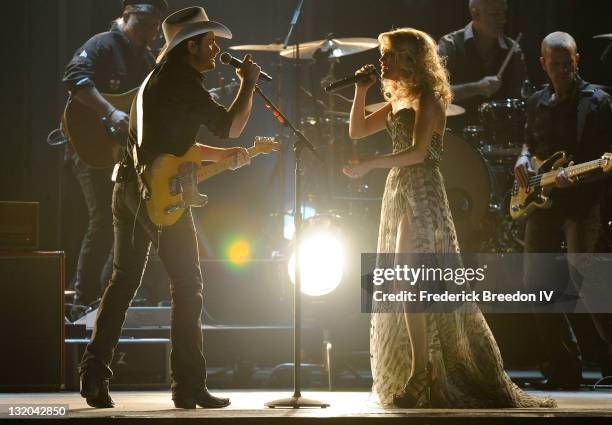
301, 142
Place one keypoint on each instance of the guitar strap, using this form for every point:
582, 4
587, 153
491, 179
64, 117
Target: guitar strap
143, 188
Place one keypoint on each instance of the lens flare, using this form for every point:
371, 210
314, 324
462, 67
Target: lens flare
239, 252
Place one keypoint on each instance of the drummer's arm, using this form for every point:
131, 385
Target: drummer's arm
361, 126
467, 90
431, 111
448, 50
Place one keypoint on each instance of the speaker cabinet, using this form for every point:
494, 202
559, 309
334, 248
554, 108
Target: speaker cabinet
18, 225
32, 321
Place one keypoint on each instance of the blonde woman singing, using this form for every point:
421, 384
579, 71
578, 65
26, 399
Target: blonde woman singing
423, 359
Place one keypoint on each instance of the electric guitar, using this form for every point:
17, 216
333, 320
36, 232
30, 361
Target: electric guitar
172, 180
525, 200
94, 139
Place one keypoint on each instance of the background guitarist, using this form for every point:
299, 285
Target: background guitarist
110, 62
570, 115
175, 104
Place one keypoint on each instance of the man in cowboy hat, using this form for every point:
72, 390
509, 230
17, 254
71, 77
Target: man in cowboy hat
110, 62
165, 119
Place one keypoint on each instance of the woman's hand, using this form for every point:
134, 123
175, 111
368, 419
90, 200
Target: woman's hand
366, 70
357, 169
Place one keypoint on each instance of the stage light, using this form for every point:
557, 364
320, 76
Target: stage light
322, 259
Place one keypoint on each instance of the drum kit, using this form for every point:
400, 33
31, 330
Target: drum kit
477, 165
478, 169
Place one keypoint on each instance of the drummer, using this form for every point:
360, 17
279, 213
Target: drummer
474, 57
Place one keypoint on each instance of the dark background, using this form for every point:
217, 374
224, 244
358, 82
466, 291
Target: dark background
39, 37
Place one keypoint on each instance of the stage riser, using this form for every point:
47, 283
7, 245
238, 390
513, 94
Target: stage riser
143, 363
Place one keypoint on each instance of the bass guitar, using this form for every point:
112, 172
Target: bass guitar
525, 200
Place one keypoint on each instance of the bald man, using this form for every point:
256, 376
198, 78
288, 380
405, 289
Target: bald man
474, 56
568, 115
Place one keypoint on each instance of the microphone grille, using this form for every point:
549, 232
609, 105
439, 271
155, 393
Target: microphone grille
225, 58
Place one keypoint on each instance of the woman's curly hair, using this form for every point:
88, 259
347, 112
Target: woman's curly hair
421, 68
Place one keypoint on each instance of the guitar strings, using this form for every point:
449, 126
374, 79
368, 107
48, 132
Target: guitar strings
534, 180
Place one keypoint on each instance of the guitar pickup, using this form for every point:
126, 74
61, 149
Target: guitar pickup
175, 186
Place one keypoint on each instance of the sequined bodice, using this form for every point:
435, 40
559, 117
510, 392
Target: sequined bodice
400, 126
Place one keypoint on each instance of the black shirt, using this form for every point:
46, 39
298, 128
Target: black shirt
109, 62
564, 125
465, 65
175, 105
581, 125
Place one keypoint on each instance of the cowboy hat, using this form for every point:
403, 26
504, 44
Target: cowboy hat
187, 23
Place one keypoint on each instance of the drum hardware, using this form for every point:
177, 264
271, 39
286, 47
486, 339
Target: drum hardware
474, 135
224, 89
503, 122
527, 90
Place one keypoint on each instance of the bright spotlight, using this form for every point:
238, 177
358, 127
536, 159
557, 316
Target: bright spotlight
321, 262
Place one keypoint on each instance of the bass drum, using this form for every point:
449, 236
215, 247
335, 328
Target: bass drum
468, 187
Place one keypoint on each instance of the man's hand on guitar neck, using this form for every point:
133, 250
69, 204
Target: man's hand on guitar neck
240, 156
563, 180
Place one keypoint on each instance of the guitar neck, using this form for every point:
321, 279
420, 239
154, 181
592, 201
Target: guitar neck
208, 171
548, 179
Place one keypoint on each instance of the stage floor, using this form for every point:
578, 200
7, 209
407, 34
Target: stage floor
583, 406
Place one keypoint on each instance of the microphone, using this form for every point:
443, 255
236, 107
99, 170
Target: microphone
349, 81
227, 59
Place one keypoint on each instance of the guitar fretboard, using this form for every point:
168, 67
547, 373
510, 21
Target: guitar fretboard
572, 171
208, 171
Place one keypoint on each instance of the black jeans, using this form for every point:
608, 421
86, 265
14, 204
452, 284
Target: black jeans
545, 231
178, 250
95, 257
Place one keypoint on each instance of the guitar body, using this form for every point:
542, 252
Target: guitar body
173, 180
89, 136
165, 206
524, 201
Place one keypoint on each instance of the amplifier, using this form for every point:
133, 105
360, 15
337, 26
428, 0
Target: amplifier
19, 225
32, 321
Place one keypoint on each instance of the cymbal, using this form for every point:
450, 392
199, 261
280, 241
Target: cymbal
451, 111
274, 47
335, 47
604, 36
337, 114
